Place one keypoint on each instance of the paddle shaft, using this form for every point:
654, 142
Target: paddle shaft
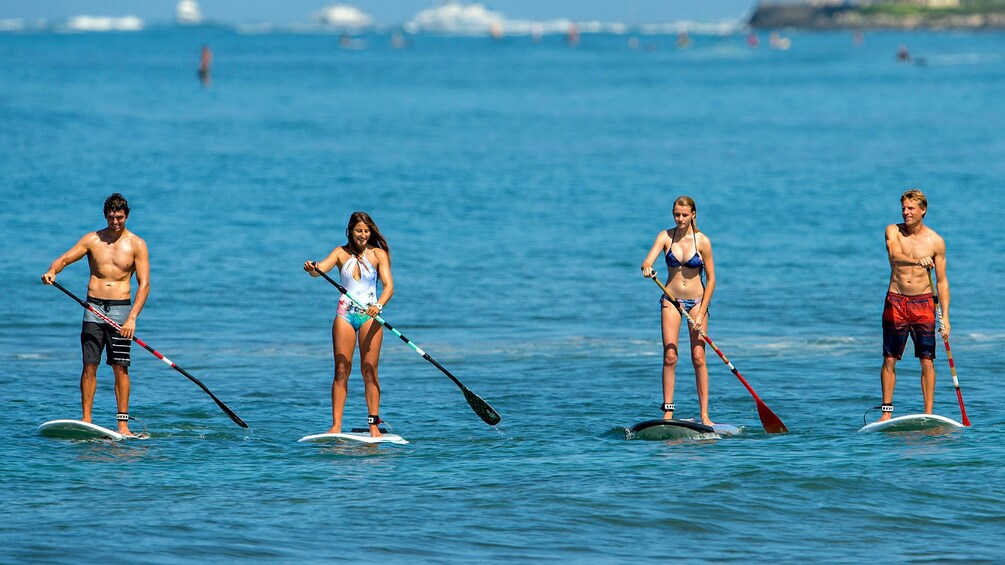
237, 420
771, 423
949, 352
481, 408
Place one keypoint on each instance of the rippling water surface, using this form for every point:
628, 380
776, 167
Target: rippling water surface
519, 185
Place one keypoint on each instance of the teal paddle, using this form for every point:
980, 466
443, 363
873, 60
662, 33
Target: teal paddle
482, 408
771, 423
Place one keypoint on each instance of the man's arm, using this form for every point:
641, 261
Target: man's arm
943, 283
141, 263
72, 255
896, 252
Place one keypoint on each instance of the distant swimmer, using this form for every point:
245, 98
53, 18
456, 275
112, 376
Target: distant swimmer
913, 249
752, 40
778, 42
572, 37
683, 39
858, 39
114, 256
398, 40
364, 260
536, 32
205, 62
903, 55
346, 41
688, 255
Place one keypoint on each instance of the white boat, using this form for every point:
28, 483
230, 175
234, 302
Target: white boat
187, 13
344, 16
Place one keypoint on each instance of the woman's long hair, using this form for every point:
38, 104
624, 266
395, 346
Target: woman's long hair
376, 238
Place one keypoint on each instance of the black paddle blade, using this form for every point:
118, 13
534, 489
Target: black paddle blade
482, 408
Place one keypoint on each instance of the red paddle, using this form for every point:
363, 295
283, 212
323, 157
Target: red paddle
237, 419
771, 423
949, 353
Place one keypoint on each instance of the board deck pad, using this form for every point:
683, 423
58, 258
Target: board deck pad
358, 435
912, 423
77, 429
661, 430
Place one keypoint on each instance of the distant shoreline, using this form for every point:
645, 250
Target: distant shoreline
990, 16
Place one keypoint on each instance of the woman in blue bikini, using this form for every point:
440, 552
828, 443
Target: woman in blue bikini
684, 281
363, 260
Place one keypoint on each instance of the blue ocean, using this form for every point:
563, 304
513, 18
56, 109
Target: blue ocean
520, 184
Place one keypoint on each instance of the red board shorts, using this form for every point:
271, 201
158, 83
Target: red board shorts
909, 316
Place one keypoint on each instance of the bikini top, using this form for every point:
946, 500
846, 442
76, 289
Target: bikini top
694, 262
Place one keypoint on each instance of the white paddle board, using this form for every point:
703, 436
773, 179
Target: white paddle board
662, 430
356, 435
77, 429
912, 423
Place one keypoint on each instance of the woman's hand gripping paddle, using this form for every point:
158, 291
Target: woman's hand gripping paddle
949, 352
771, 423
482, 408
237, 420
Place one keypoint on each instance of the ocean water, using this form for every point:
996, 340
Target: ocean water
519, 185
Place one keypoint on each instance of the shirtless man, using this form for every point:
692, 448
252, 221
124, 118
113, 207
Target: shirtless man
913, 249
114, 255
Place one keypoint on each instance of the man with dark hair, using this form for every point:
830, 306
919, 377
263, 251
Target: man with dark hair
114, 254
913, 249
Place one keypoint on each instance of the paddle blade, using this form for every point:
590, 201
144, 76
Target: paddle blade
482, 408
963, 409
237, 419
771, 423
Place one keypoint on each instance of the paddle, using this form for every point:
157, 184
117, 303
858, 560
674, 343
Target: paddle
482, 408
949, 352
237, 420
771, 423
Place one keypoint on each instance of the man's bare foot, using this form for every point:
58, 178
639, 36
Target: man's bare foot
706, 420
335, 429
375, 431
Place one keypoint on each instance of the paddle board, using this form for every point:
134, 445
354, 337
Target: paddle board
76, 429
662, 430
359, 435
912, 423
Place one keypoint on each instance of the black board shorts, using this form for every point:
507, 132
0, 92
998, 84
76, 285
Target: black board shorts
98, 335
